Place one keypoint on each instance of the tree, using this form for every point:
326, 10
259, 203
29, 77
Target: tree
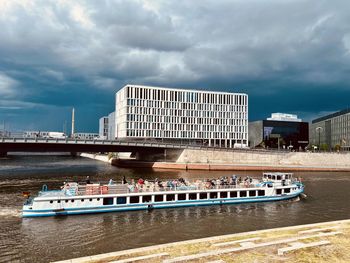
324, 147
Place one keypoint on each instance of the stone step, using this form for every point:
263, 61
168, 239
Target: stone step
147, 257
298, 245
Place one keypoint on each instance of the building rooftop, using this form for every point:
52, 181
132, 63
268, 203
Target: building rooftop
283, 117
183, 89
332, 115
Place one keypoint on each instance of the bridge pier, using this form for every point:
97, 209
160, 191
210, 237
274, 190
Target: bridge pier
3, 154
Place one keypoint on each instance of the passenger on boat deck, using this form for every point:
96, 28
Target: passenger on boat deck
124, 180
110, 182
140, 181
87, 180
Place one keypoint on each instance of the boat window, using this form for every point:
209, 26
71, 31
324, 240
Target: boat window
269, 176
181, 197
134, 199
278, 177
273, 177
72, 200
82, 200
261, 192
278, 191
252, 193
192, 196
146, 198
51, 202
287, 190
223, 194
243, 193
90, 199
59, 201
108, 201
121, 200
98, 199
203, 196
213, 195
286, 176
66, 201
170, 197
233, 194
158, 198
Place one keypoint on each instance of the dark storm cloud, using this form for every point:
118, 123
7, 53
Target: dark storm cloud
287, 55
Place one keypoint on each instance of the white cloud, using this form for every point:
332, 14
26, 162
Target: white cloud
8, 86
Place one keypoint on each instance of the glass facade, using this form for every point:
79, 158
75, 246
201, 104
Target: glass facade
279, 134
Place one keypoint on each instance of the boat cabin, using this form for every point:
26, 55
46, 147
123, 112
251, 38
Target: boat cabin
277, 177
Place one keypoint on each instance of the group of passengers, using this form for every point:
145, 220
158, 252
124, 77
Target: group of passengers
142, 185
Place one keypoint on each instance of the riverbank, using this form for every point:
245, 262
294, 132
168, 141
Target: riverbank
321, 242
223, 167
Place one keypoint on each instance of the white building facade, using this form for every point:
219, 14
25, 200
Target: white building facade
218, 119
103, 127
111, 126
284, 117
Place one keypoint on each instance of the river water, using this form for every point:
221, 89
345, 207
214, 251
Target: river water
58, 238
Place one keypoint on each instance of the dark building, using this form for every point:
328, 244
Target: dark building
279, 134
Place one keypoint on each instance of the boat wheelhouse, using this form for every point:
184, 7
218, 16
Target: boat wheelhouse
76, 198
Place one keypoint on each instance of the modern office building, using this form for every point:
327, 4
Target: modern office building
204, 117
103, 127
283, 131
331, 131
111, 126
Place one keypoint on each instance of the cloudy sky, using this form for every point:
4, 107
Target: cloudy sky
289, 56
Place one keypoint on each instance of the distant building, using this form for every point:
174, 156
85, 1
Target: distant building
86, 136
178, 115
284, 131
331, 131
283, 117
103, 127
111, 126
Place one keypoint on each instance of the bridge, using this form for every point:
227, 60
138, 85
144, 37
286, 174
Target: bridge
76, 145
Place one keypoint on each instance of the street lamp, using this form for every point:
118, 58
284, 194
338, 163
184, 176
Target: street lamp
319, 129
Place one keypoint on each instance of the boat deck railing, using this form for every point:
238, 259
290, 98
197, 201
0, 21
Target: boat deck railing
75, 189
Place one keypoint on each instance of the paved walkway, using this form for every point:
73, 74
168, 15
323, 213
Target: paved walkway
322, 242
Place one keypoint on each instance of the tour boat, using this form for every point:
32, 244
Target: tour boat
75, 198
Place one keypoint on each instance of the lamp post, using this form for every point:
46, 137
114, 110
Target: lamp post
319, 129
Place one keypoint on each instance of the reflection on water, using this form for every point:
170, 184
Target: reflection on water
55, 238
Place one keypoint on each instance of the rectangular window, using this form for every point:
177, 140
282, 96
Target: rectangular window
192, 196
108, 201
134, 199
252, 193
279, 191
213, 195
203, 196
181, 197
233, 194
121, 200
243, 193
158, 198
287, 190
223, 195
261, 192
146, 198
170, 197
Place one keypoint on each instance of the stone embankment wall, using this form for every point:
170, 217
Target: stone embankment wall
301, 159
98, 157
